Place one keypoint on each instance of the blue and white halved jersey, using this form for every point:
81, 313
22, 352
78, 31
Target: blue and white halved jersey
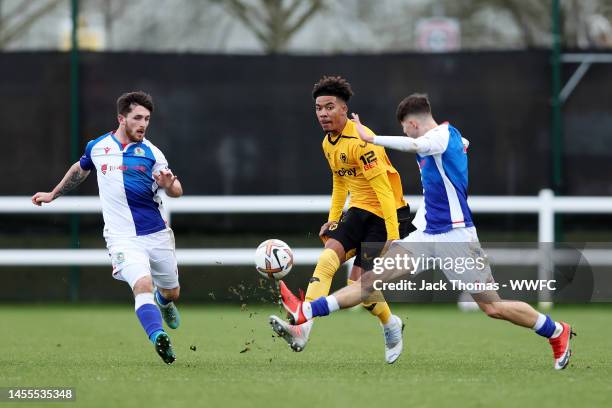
128, 191
444, 175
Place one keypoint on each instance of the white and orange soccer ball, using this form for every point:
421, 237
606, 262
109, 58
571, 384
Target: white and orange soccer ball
273, 259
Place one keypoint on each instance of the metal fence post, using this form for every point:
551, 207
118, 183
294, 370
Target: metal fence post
75, 272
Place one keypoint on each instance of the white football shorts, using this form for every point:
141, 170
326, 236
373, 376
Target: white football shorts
135, 257
457, 253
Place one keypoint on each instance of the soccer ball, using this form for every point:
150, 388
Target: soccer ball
273, 259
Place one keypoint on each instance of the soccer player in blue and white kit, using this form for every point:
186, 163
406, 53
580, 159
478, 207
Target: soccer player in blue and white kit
444, 228
130, 172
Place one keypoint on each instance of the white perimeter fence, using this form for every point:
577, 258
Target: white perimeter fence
545, 205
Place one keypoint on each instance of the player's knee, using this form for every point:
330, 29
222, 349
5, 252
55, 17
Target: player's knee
337, 247
492, 310
367, 282
143, 285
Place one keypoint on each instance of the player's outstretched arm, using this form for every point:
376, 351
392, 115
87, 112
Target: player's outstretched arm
403, 144
74, 176
169, 182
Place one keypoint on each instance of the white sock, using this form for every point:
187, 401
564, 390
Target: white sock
142, 299
558, 330
332, 303
307, 310
540, 322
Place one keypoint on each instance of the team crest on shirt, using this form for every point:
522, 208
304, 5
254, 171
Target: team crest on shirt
139, 151
343, 157
104, 168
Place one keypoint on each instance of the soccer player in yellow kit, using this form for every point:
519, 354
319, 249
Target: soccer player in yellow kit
377, 211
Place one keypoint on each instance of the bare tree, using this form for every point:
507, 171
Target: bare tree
533, 18
112, 10
273, 22
16, 23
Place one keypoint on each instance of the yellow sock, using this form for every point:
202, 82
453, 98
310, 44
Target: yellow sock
378, 309
323, 274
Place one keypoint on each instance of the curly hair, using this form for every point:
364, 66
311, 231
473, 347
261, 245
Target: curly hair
415, 104
333, 86
125, 102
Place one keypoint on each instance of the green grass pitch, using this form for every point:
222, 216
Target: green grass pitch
450, 359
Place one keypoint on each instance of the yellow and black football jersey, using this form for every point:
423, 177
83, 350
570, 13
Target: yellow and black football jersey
355, 167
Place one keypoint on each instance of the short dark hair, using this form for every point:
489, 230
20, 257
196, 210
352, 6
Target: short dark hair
415, 104
127, 100
333, 86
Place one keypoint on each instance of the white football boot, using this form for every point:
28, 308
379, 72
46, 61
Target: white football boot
295, 335
393, 339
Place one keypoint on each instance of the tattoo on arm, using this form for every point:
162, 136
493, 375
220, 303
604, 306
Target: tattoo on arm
76, 177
